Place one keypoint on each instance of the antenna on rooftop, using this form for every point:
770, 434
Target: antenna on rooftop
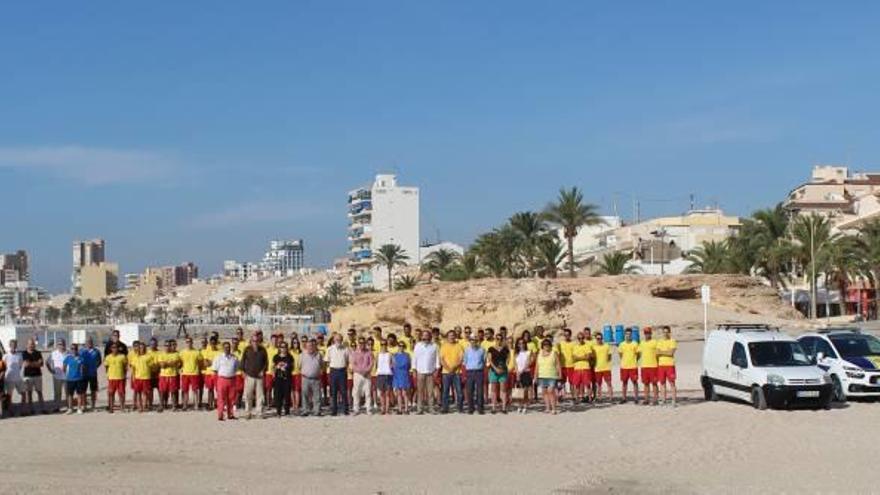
692, 201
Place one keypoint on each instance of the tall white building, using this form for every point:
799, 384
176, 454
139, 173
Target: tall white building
383, 213
284, 258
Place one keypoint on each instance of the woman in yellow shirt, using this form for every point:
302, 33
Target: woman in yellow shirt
296, 382
549, 372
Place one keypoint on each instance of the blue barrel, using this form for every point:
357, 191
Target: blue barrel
618, 334
608, 334
635, 331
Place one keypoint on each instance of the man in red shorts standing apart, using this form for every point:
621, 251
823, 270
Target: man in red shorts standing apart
602, 367
629, 364
666, 363
648, 359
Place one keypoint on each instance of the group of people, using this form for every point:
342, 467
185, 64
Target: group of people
371, 371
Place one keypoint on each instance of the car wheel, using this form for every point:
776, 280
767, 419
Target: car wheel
758, 399
709, 391
837, 390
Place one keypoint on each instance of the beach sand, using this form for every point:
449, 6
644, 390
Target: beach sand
721, 447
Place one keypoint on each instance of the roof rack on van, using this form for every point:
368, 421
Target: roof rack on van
747, 327
830, 330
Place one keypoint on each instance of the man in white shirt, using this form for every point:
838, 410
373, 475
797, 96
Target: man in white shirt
55, 365
426, 360
338, 356
225, 365
14, 381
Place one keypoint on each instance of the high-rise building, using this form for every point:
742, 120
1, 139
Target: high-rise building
185, 273
284, 258
14, 267
383, 213
98, 281
85, 253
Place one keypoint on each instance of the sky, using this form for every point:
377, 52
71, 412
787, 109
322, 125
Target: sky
198, 131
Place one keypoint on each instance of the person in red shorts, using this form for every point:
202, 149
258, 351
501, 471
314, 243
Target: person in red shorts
209, 378
602, 367
169, 378
190, 373
142, 365
666, 364
115, 365
629, 364
581, 375
648, 360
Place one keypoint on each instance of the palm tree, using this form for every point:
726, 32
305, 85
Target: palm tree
763, 246
212, 306
263, 304
391, 256
245, 306
405, 282
469, 264
52, 314
530, 227
812, 235
438, 262
179, 312
869, 244
842, 262
302, 305
570, 213
710, 257
549, 253
616, 263
335, 293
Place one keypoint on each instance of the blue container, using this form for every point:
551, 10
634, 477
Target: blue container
618, 334
608, 334
635, 331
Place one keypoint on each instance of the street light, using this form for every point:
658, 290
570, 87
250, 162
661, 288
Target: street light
661, 233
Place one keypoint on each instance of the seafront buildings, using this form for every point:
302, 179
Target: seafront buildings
17, 294
381, 213
85, 253
284, 258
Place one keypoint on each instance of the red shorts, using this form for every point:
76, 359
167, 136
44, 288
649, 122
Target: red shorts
190, 382
629, 375
602, 376
296, 384
511, 379
666, 374
239, 384
169, 384
268, 380
210, 381
580, 378
114, 386
141, 385
649, 375
568, 375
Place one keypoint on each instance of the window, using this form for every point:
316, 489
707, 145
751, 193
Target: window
777, 353
809, 345
825, 348
738, 356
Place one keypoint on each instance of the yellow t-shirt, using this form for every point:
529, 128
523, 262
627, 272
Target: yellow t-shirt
377, 345
452, 354
566, 353
238, 354
115, 366
648, 353
486, 345
207, 354
581, 355
271, 352
628, 355
603, 356
297, 362
172, 359
532, 346
547, 365
190, 362
410, 341
155, 364
142, 366
242, 345
666, 345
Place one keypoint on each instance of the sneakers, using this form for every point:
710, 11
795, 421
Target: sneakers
69, 411
80, 411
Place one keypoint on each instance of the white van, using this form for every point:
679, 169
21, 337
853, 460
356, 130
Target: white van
761, 365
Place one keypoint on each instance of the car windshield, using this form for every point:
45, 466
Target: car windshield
856, 345
775, 353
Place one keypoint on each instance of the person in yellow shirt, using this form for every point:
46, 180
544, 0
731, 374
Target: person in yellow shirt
169, 378
115, 365
451, 356
209, 376
581, 379
296, 378
142, 365
238, 352
408, 336
602, 367
190, 366
666, 363
269, 375
565, 347
629, 364
648, 360
241, 342
377, 339
154, 351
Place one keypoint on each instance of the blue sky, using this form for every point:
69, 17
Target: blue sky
200, 130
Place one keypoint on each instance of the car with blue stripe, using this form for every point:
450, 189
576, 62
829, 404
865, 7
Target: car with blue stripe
851, 358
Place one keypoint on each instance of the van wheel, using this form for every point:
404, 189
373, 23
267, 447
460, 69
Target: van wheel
758, 399
709, 391
837, 389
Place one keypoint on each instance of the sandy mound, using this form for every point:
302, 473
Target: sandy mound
594, 302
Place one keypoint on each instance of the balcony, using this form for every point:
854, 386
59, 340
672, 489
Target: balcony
360, 196
359, 209
360, 233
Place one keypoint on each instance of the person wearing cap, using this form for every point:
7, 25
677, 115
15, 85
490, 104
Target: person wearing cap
649, 363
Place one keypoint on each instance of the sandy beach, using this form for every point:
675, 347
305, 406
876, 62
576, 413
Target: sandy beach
698, 447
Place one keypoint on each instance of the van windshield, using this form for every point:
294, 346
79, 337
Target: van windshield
774, 353
856, 345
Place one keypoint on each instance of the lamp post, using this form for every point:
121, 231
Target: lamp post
660, 233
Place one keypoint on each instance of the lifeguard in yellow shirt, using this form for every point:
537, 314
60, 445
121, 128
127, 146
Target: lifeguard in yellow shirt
666, 363
629, 363
648, 360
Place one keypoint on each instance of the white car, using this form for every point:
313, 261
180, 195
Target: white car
761, 365
850, 357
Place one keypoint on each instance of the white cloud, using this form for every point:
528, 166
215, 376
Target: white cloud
88, 165
259, 211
